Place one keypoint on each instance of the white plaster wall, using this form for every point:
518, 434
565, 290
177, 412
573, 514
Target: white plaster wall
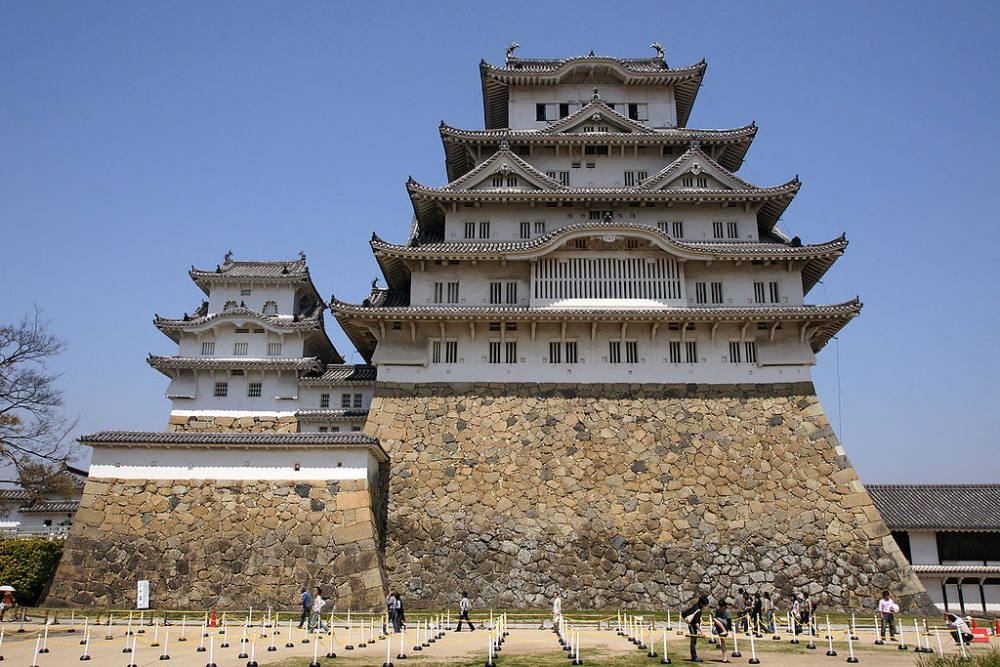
505, 222
399, 360
992, 593
608, 170
522, 101
166, 462
473, 281
225, 337
284, 295
278, 391
309, 396
923, 547
333, 426
737, 282
933, 587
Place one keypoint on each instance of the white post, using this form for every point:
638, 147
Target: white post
183, 628
166, 640
961, 643
201, 644
736, 646
665, 642
619, 626
937, 635
878, 636
135, 638
38, 641
916, 631
829, 638
753, 651
250, 616
316, 652
272, 647
45, 641
86, 645
156, 634
388, 644
668, 619
211, 650
854, 627
289, 642
253, 649
86, 625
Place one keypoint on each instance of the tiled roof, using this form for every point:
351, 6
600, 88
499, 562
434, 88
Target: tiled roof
233, 363
311, 320
51, 507
14, 494
679, 135
329, 415
295, 269
237, 440
336, 373
956, 569
938, 506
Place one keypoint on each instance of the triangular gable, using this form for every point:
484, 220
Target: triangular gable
504, 164
595, 113
694, 162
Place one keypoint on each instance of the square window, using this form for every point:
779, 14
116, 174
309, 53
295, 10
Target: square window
324, 429
253, 389
274, 349
240, 349
221, 389
208, 348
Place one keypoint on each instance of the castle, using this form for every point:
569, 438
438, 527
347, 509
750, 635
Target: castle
589, 371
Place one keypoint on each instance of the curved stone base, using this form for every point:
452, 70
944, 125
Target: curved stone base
207, 544
638, 495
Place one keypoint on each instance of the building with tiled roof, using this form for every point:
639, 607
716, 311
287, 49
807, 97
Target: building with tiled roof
49, 515
951, 535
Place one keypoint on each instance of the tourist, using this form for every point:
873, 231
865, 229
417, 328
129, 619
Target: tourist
886, 609
739, 603
692, 617
306, 607
400, 613
757, 613
390, 608
958, 625
463, 608
556, 610
767, 606
807, 612
317, 612
722, 626
3, 609
797, 613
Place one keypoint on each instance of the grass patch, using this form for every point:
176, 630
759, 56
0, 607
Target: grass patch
990, 658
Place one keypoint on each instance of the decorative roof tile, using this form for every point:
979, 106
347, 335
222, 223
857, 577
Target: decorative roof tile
942, 507
236, 440
330, 415
233, 363
51, 507
337, 373
230, 269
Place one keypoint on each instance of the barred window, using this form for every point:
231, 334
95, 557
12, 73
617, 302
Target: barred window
253, 389
324, 400
564, 178
240, 349
555, 352
525, 230
436, 352
230, 305
451, 352
691, 348
274, 349
773, 290
717, 229
758, 292
702, 182
677, 229
484, 230
571, 357
716, 292
675, 351
631, 352
540, 227
357, 400
498, 181
510, 352
732, 230
470, 230
345, 400
511, 292
496, 292
270, 308
512, 181
615, 352
221, 389
452, 292
494, 352
700, 293
438, 292
750, 347
324, 429
735, 356
688, 181
208, 348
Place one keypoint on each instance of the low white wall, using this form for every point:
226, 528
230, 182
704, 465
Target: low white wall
923, 547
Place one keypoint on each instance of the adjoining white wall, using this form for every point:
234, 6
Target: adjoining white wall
399, 360
310, 395
660, 103
166, 462
225, 335
923, 547
194, 391
283, 295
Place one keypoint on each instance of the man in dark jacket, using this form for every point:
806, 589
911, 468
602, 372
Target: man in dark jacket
306, 607
692, 616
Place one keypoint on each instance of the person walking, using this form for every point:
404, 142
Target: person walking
390, 609
739, 603
306, 607
463, 608
807, 611
722, 625
317, 612
797, 613
767, 606
757, 614
400, 613
692, 616
556, 610
886, 609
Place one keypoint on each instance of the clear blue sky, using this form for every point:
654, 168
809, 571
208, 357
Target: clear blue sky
139, 138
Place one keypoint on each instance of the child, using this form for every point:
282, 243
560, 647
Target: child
723, 625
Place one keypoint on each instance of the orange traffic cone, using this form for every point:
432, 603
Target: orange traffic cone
213, 623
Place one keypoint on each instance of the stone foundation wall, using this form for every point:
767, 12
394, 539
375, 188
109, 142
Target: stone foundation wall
222, 544
209, 424
639, 495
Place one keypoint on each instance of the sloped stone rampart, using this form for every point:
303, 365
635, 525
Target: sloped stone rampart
207, 544
218, 424
626, 495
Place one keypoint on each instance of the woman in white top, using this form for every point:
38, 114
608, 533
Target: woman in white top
317, 610
556, 609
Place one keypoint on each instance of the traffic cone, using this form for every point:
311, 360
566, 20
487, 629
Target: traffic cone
213, 624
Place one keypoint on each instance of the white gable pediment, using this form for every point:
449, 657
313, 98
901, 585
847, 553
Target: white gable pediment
504, 171
697, 171
595, 118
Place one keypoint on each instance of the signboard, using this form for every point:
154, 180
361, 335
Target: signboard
142, 594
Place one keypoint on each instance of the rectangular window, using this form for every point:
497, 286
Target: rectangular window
452, 292
691, 349
716, 292
615, 352
511, 292
555, 352
245, 291
563, 109
525, 230
498, 181
571, 357
734, 352
629, 179
324, 429
595, 150
539, 227
451, 352
438, 292
539, 112
717, 229
750, 347
773, 292
631, 352
512, 181
510, 352
324, 400
758, 292
732, 230
688, 181
484, 230
208, 348
274, 349
675, 351
221, 389
702, 182
436, 352
663, 226
496, 291
677, 229
494, 352
470, 230
240, 349
334, 429
355, 429
700, 293
580, 243
345, 400
253, 390
357, 400
633, 111
564, 177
